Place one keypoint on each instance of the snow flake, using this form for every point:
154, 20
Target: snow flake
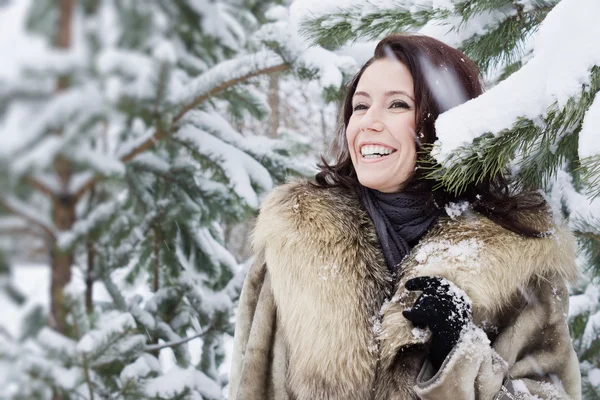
455, 210
327, 271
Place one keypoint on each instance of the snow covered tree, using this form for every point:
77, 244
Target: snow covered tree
539, 121
122, 160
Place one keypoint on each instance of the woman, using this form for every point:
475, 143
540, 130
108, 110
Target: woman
371, 284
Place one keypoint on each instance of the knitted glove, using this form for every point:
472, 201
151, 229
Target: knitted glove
442, 307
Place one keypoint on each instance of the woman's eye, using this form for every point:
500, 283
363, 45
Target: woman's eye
359, 107
399, 104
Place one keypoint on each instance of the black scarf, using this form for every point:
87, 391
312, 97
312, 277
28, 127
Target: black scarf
401, 219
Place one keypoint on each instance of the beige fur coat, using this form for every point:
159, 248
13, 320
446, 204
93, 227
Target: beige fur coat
320, 316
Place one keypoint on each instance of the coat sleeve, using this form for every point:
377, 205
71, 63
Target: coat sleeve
531, 358
258, 363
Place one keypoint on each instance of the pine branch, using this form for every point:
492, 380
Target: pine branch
490, 154
501, 44
161, 134
588, 235
86, 375
176, 343
334, 30
591, 174
222, 87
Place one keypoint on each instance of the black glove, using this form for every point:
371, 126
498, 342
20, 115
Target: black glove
442, 307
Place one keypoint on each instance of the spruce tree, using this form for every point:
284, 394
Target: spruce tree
538, 122
127, 166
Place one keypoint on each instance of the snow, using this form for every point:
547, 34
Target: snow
100, 214
455, 210
136, 66
520, 386
222, 129
57, 342
28, 211
241, 169
152, 162
594, 377
421, 334
165, 52
585, 302
589, 137
555, 73
143, 316
118, 325
140, 368
177, 379
328, 271
105, 164
329, 64
463, 253
127, 147
581, 208
454, 31
66, 378
592, 330
33, 280
223, 72
218, 254
40, 156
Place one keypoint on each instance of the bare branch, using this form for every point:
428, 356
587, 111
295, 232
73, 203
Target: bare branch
176, 343
21, 231
12, 206
36, 184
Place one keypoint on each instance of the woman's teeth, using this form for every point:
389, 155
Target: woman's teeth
370, 152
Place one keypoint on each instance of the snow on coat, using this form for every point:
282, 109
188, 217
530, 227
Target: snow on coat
320, 315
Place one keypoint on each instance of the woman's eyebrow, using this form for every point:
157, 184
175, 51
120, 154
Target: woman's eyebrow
387, 94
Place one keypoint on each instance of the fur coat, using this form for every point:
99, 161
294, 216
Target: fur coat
320, 315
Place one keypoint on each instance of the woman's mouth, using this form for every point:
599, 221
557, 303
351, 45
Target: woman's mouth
372, 152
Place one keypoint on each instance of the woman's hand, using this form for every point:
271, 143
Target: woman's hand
442, 307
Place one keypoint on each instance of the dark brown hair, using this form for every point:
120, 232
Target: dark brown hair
501, 201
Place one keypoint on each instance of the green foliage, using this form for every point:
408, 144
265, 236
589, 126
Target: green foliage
541, 148
152, 223
335, 30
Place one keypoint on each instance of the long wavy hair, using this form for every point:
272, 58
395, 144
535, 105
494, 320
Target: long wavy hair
502, 201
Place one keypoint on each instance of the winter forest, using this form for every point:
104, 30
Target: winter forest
138, 139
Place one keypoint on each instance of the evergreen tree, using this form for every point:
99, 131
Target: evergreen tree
538, 122
125, 163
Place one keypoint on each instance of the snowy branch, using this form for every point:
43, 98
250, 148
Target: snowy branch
21, 210
227, 84
160, 134
176, 343
587, 235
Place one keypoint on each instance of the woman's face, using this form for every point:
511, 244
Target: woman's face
381, 130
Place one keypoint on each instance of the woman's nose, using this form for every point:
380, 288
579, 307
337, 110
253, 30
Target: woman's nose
371, 121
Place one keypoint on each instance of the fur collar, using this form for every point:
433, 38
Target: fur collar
337, 306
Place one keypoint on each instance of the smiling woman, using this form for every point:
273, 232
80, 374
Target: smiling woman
381, 130
373, 283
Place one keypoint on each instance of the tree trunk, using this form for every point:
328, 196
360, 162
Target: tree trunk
64, 206
89, 278
273, 99
156, 261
